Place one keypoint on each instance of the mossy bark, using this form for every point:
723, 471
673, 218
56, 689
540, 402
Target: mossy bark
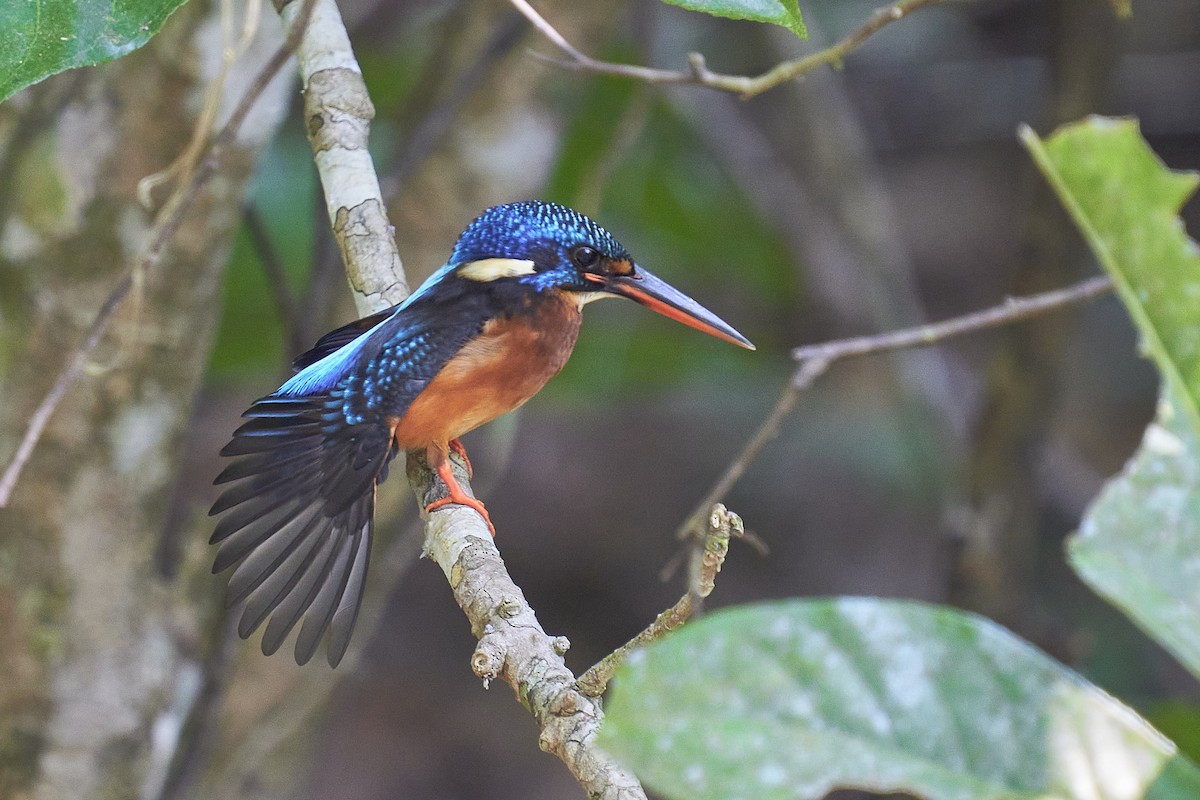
98, 638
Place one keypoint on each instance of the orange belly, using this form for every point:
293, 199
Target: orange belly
508, 363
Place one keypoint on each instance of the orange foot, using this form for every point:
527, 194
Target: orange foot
457, 446
459, 497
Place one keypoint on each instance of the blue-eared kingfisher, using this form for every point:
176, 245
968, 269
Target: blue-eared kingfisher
480, 337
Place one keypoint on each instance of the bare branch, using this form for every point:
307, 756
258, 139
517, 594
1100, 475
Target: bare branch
698, 73
166, 224
45, 410
815, 359
513, 647
1014, 309
708, 558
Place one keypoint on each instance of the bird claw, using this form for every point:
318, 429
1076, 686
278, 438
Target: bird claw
464, 500
456, 493
457, 447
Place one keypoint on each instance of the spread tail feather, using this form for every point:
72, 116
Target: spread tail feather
298, 519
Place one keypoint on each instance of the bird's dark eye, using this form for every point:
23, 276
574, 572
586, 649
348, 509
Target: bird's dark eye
585, 256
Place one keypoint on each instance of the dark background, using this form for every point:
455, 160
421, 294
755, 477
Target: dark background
887, 193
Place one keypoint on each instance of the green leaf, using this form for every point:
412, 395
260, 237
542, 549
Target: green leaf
778, 12
39, 38
1139, 543
1180, 721
1126, 203
785, 701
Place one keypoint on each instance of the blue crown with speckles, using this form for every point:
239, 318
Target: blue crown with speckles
508, 231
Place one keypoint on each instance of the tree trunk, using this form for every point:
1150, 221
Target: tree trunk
100, 640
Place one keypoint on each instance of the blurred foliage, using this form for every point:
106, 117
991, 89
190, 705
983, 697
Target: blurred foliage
38, 39
1180, 721
250, 338
1126, 202
786, 700
1124, 8
795, 699
785, 13
686, 221
392, 76
1139, 544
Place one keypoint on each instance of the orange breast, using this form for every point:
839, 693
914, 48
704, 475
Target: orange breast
508, 363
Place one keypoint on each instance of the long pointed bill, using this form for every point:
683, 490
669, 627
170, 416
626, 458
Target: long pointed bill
658, 295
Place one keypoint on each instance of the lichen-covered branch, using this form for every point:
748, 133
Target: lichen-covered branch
337, 119
514, 648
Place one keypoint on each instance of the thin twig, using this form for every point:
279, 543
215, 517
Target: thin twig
816, 358
710, 557
41, 416
181, 168
268, 256
698, 73
1014, 309
169, 219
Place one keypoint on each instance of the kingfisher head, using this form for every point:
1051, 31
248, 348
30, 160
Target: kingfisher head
549, 247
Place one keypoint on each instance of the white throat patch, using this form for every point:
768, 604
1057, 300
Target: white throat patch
583, 298
490, 269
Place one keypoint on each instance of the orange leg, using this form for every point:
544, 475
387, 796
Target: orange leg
457, 495
457, 446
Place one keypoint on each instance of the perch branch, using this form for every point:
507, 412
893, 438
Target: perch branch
166, 224
814, 359
708, 559
698, 73
512, 645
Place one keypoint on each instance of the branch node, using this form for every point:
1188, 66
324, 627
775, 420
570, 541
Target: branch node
565, 704
487, 660
509, 607
560, 645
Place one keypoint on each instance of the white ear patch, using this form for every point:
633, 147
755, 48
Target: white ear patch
490, 269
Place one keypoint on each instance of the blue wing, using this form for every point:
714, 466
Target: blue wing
298, 515
336, 352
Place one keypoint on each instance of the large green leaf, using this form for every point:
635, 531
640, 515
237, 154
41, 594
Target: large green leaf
1126, 203
41, 37
786, 701
1139, 544
777, 12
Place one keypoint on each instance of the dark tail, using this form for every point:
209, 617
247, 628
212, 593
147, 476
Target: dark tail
298, 519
